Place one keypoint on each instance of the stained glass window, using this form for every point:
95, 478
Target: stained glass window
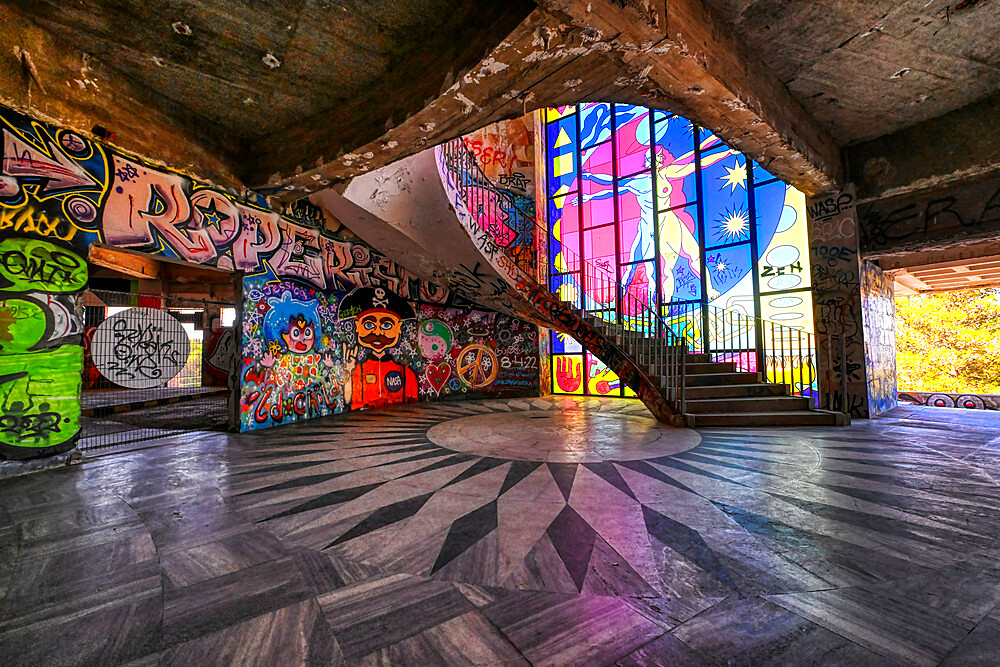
679, 219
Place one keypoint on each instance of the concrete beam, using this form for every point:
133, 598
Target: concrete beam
682, 50
679, 58
938, 224
956, 146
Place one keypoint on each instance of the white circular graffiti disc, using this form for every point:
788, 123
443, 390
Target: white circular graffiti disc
140, 348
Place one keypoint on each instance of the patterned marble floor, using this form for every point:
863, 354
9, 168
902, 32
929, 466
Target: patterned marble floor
548, 531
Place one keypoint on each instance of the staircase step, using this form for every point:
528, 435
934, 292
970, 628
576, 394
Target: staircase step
714, 379
702, 368
698, 357
736, 405
736, 391
795, 418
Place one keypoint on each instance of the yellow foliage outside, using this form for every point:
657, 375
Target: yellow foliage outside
949, 342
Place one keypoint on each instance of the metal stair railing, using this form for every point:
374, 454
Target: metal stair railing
782, 354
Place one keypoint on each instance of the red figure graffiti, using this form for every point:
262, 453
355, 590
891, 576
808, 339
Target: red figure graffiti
378, 322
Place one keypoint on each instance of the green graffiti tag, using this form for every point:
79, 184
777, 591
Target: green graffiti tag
40, 398
33, 265
23, 325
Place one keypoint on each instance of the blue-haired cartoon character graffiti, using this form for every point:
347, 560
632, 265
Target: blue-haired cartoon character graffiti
292, 325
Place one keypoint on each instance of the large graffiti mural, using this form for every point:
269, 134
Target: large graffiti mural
61, 186
878, 312
306, 353
676, 217
300, 355
41, 360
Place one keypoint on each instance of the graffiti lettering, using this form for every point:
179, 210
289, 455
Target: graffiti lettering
28, 221
921, 220
29, 264
795, 267
830, 207
140, 347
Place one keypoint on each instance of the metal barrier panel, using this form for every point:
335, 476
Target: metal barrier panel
154, 366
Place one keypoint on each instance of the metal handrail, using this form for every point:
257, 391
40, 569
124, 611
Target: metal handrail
727, 335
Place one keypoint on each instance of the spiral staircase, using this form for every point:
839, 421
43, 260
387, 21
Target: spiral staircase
691, 365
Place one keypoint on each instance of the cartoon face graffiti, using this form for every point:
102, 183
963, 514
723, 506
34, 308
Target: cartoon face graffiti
292, 325
435, 339
378, 322
378, 317
378, 330
300, 336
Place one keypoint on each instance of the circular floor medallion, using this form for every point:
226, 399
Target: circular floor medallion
572, 436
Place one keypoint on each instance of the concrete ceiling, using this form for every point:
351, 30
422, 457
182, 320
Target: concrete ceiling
301, 94
247, 71
866, 68
948, 276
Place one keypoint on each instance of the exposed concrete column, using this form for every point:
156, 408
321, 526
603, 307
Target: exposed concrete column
836, 281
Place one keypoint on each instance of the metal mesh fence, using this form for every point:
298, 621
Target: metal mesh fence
149, 368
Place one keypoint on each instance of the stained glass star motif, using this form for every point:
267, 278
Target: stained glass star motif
735, 176
735, 225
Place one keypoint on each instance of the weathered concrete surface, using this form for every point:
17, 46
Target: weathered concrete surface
62, 82
404, 211
963, 214
571, 50
866, 69
9, 469
837, 304
959, 145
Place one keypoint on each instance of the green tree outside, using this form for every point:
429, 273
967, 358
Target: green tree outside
949, 342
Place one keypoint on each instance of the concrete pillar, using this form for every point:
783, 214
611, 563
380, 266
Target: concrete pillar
836, 281
853, 309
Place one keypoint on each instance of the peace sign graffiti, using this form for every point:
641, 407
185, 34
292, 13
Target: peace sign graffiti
477, 365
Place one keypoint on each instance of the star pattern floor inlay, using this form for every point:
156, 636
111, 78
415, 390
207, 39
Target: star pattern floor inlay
543, 531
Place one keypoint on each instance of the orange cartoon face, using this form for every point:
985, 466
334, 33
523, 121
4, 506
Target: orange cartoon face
378, 330
301, 335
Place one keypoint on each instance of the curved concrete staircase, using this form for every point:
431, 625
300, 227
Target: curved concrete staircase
435, 213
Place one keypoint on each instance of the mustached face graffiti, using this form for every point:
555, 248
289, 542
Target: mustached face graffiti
378, 379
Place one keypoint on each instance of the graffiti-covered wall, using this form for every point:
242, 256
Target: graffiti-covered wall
307, 353
41, 360
833, 248
61, 192
505, 197
62, 186
878, 312
940, 400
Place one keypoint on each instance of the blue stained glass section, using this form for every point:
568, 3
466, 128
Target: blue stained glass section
561, 149
595, 124
769, 202
726, 205
727, 266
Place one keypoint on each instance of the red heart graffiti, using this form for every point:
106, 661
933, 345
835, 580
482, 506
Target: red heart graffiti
438, 374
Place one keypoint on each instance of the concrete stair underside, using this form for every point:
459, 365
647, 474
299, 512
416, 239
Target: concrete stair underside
717, 394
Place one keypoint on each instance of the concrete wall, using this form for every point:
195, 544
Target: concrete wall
878, 311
